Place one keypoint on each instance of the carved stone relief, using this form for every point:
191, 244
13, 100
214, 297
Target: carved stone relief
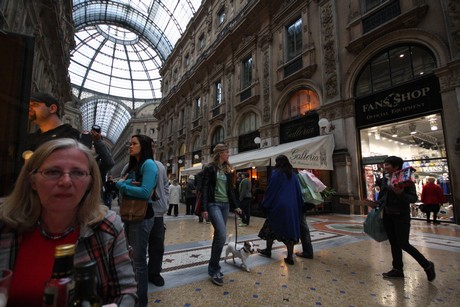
228, 116
209, 21
280, 48
266, 85
453, 20
328, 37
449, 77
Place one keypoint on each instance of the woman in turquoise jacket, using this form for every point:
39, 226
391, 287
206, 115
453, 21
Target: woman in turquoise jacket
139, 182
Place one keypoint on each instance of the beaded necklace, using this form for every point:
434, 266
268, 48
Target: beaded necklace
54, 236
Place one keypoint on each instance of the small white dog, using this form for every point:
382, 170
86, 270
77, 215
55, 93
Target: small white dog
241, 251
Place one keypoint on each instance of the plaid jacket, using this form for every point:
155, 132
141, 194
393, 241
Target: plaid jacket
104, 243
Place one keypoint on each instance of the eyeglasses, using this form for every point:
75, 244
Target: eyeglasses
55, 174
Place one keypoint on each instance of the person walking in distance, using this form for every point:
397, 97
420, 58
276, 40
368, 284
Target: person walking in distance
175, 192
245, 197
432, 197
190, 195
396, 220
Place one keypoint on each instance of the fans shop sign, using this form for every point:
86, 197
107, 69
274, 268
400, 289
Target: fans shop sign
405, 101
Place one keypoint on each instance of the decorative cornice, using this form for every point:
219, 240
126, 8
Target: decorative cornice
449, 76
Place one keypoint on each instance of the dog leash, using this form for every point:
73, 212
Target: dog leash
236, 229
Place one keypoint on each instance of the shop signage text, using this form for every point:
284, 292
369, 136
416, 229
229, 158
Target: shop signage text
298, 129
408, 100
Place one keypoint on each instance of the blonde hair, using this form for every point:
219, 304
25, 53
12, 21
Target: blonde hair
215, 159
22, 208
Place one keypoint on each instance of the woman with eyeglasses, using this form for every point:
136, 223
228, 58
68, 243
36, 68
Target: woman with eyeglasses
56, 200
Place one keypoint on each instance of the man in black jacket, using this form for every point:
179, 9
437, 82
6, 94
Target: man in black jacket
45, 112
396, 220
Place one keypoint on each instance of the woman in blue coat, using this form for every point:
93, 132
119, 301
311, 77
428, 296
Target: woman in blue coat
283, 203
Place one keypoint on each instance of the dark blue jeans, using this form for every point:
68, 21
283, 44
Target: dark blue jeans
245, 206
156, 246
218, 214
137, 234
305, 238
397, 227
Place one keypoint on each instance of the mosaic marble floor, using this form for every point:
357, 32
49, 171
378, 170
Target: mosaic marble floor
346, 270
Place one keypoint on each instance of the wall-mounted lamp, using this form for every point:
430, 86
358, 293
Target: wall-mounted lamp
196, 157
168, 165
325, 125
180, 161
259, 142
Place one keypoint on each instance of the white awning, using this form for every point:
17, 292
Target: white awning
192, 170
312, 153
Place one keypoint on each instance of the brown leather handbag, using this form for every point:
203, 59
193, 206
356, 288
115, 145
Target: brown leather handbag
133, 210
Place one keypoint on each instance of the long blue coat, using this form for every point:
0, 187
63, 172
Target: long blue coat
283, 201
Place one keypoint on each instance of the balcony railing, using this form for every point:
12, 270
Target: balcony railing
293, 67
216, 111
245, 94
381, 16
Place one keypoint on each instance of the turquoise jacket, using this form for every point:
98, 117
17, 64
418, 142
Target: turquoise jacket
149, 176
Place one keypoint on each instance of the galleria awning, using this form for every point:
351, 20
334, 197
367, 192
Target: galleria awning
312, 153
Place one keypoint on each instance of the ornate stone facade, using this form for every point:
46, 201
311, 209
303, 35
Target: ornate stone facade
346, 36
50, 24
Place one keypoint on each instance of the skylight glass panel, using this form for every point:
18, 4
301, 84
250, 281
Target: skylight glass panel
121, 83
139, 85
148, 30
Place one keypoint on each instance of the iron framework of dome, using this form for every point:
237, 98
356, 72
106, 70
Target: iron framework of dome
120, 47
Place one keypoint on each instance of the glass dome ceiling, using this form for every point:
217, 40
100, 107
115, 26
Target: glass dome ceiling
120, 47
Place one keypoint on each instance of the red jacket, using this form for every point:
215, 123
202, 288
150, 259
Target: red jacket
432, 194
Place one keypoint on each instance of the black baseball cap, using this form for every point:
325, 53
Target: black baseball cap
46, 99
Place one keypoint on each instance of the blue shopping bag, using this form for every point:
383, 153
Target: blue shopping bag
373, 225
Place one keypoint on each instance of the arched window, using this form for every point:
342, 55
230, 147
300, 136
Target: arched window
197, 144
300, 103
248, 130
196, 154
218, 136
182, 149
394, 66
250, 123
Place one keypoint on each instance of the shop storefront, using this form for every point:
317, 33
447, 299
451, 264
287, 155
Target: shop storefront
405, 121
